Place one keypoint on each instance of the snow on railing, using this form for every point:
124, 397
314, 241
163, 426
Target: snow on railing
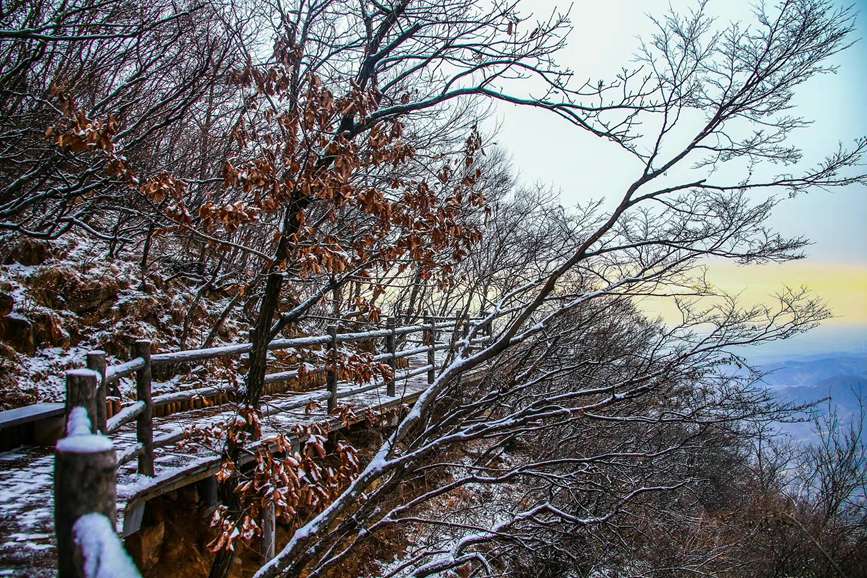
124, 416
86, 463
142, 362
115, 372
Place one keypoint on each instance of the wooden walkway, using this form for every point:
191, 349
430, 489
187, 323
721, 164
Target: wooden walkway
26, 475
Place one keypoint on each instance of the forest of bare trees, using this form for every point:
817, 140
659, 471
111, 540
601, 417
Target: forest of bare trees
284, 165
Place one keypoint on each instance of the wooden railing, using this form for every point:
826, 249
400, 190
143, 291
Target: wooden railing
86, 463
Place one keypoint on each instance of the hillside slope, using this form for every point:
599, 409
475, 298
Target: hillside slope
60, 299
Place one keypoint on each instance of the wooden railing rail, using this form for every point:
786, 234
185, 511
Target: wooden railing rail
142, 361
86, 463
127, 368
130, 413
125, 416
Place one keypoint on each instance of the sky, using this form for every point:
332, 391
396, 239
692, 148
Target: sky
546, 149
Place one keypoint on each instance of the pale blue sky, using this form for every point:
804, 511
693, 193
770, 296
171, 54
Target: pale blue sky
546, 149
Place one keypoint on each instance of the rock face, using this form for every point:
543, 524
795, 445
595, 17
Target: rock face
48, 329
26, 334
66, 288
146, 545
25, 251
60, 298
17, 332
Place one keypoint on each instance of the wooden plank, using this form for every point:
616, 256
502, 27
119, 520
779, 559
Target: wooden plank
30, 413
177, 479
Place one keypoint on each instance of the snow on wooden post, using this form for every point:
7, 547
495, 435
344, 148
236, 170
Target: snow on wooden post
465, 332
144, 426
269, 530
96, 362
392, 362
331, 375
98, 550
81, 392
84, 483
487, 329
430, 340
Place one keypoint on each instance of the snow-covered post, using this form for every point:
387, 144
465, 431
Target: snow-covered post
144, 426
465, 331
84, 483
331, 373
430, 340
96, 362
487, 329
98, 550
392, 362
81, 392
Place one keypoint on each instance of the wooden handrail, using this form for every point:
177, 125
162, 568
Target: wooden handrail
142, 361
138, 363
276, 344
86, 461
114, 372
126, 415
129, 412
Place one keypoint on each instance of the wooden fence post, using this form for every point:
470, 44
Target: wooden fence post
96, 362
144, 426
84, 483
487, 330
208, 490
430, 340
331, 374
465, 333
390, 346
81, 392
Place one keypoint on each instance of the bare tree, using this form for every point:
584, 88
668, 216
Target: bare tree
665, 221
323, 160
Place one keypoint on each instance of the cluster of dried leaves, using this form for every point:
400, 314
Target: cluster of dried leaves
297, 483
298, 474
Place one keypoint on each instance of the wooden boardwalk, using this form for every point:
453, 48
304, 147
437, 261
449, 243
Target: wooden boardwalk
26, 475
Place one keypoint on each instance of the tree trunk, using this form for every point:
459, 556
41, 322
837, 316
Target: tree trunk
143, 265
261, 334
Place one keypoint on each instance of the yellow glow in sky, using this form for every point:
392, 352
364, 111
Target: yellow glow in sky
842, 287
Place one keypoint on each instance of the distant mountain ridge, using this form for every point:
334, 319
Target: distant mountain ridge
798, 371
843, 390
837, 381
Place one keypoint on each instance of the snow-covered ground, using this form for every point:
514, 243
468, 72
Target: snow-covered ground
76, 301
26, 475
